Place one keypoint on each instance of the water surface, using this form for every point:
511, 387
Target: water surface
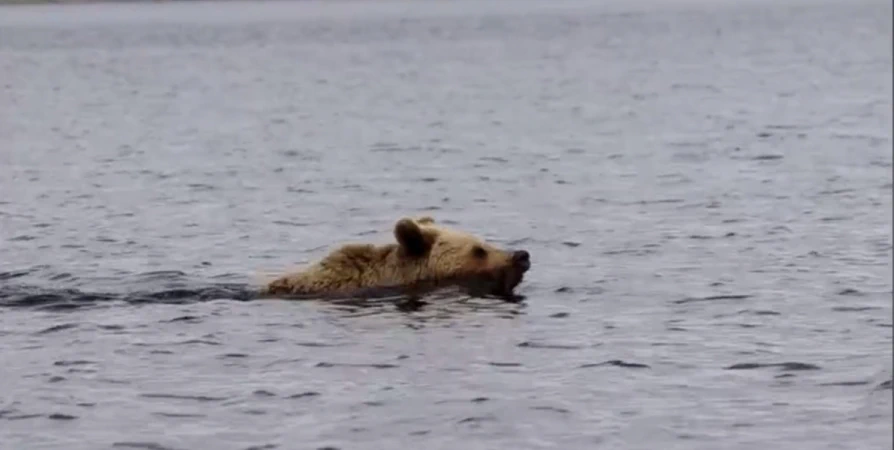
705, 189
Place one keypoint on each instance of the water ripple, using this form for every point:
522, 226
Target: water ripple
708, 216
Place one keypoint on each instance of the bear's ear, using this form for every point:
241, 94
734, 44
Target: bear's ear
410, 237
425, 220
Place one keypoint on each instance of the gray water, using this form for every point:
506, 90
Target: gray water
704, 186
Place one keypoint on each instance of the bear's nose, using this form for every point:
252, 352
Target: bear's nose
521, 256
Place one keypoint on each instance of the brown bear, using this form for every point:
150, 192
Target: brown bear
426, 257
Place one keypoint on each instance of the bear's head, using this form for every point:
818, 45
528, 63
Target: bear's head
453, 257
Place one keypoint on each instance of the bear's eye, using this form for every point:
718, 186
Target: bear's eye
479, 251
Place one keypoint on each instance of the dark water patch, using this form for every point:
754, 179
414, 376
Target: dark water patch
307, 394
4, 276
616, 363
854, 308
162, 275
559, 315
554, 409
262, 447
201, 187
57, 328
760, 312
550, 346
24, 416
885, 385
5, 412
68, 363
371, 366
851, 292
571, 244
20, 296
313, 344
62, 299
61, 276
846, 383
766, 157
60, 416
234, 355
142, 446
159, 352
712, 298
476, 421
504, 364
190, 319
263, 393
197, 398
836, 191
785, 366
197, 341
290, 223
387, 147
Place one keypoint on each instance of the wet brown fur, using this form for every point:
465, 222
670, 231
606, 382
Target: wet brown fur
426, 256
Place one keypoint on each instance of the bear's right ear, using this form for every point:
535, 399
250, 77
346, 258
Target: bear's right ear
410, 237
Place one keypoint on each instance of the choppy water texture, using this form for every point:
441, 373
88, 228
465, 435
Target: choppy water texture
705, 189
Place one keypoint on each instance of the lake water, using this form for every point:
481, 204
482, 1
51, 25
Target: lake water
704, 187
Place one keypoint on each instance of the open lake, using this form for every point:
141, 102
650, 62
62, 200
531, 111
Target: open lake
704, 188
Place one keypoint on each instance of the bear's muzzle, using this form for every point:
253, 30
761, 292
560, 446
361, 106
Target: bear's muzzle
521, 260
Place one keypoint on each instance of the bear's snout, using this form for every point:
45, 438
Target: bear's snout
522, 259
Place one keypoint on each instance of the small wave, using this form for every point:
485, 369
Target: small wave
24, 296
713, 298
140, 445
616, 363
198, 398
784, 366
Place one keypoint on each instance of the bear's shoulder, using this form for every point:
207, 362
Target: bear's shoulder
356, 255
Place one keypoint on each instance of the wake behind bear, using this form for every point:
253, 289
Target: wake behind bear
426, 257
